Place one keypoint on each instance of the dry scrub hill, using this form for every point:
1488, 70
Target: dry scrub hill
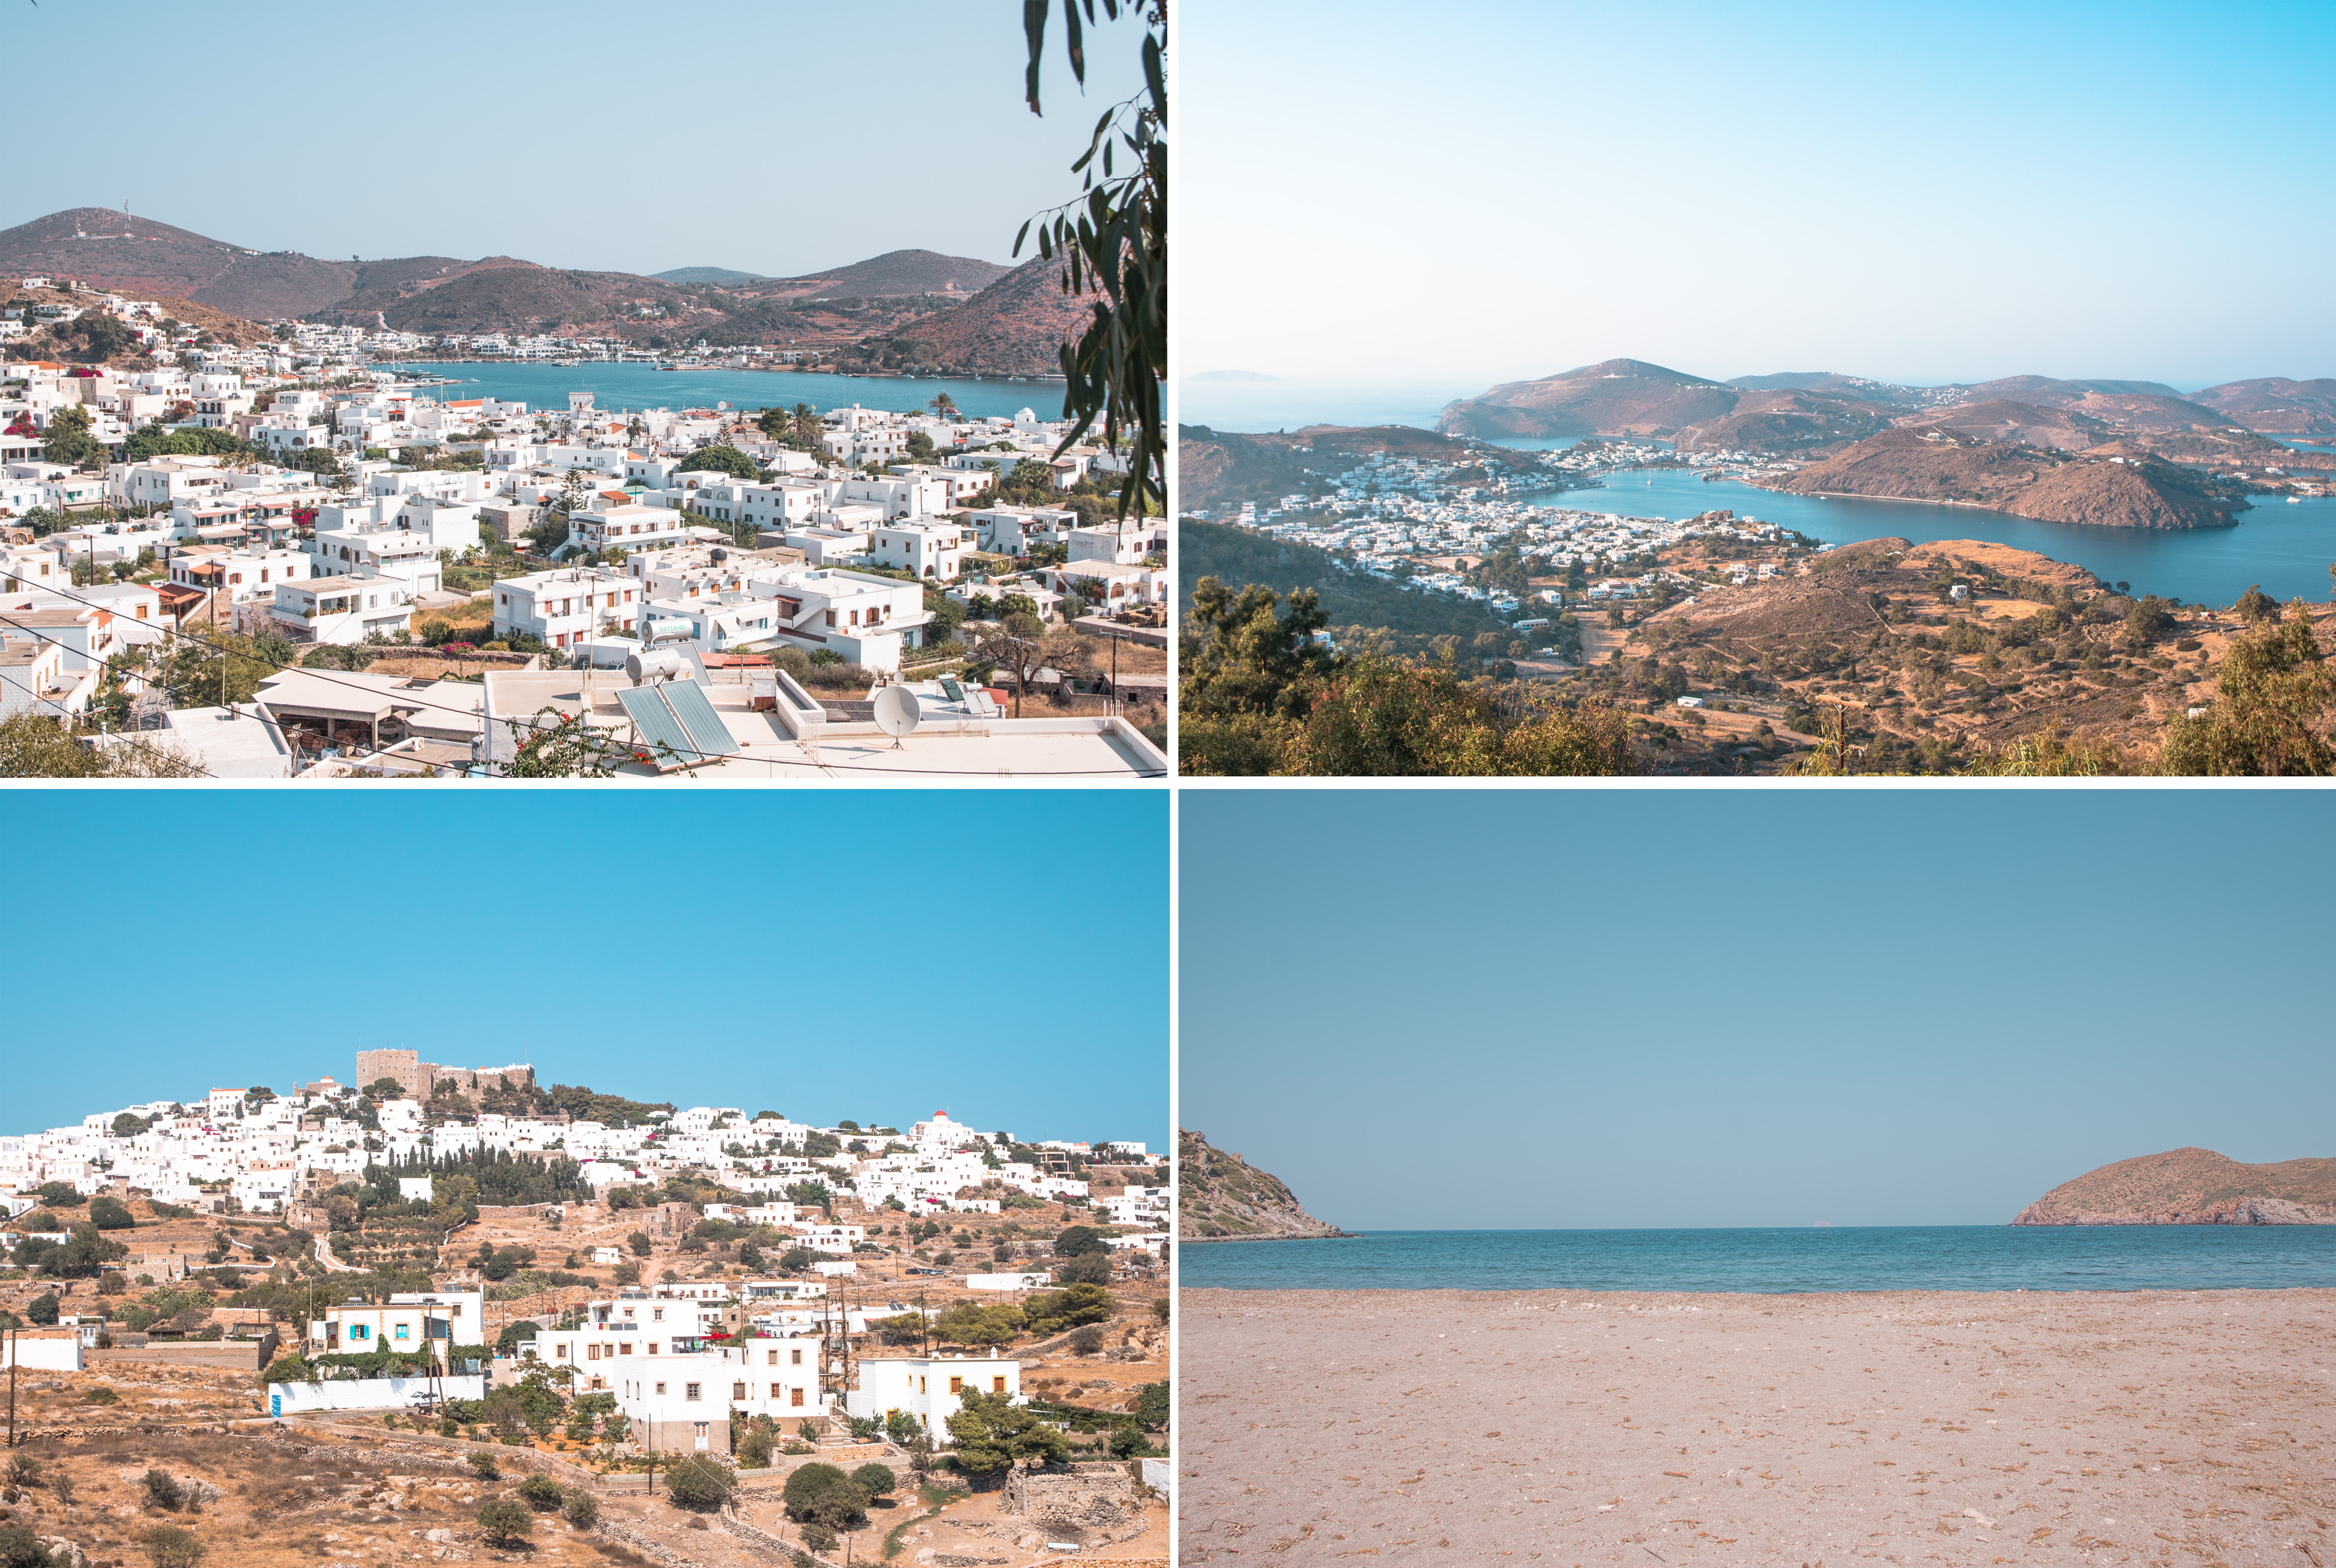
1870, 638
2191, 1188
1934, 462
1222, 1197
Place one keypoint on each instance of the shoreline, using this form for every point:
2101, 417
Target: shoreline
1605, 1427
1982, 506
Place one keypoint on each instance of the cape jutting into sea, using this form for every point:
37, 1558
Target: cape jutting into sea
1762, 1262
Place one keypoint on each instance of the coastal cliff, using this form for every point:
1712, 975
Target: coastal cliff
2191, 1188
1222, 1197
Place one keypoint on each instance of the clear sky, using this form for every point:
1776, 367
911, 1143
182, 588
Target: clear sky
774, 136
1757, 1008
1481, 191
878, 954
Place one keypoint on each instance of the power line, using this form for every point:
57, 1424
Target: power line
479, 713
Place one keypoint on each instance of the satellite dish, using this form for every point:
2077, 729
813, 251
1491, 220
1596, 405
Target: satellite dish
897, 712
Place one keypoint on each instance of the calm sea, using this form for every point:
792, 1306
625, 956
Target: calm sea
1765, 1262
2286, 549
624, 386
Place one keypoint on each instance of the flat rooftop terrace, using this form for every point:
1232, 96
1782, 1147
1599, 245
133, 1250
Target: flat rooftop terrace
945, 745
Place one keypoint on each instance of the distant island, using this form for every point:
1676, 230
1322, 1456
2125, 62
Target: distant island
2191, 1188
1222, 1197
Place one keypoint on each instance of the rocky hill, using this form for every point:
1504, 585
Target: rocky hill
1015, 326
2191, 1188
1222, 1197
2023, 424
138, 255
2275, 406
1935, 462
894, 273
723, 275
1784, 420
1612, 397
501, 294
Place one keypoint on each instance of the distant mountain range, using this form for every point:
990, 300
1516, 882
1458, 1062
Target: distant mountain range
890, 276
1015, 327
705, 275
1631, 397
2191, 1188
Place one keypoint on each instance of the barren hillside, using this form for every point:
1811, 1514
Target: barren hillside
1222, 1197
1936, 463
2191, 1188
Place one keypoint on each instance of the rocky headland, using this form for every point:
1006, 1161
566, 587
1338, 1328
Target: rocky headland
2191, 1188
1222, 1197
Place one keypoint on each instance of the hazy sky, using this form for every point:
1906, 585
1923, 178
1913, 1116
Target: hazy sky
874, 954
1441, 1008
1482, 192
772, 136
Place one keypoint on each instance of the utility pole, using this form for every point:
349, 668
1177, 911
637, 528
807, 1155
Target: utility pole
12, 1387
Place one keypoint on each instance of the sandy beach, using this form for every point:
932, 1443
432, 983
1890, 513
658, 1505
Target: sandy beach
1449, 1426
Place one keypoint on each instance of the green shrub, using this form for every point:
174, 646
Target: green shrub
542, 1492
699, 1484
876, 1480
169, 1546
504, 1521
20, 1548
162, 1491
583, 1509
484, 1466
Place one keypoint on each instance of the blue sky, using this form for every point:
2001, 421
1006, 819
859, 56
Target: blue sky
1494, 191
1760, 1007
780, 137
872, 954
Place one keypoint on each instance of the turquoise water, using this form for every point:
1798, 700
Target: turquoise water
541, 386
2287, 548
1765, 1262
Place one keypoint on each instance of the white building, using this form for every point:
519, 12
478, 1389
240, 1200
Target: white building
932, 1388
569, 606
930, 551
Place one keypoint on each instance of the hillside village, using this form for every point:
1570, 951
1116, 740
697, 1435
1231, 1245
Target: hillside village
269, 561
637, 1317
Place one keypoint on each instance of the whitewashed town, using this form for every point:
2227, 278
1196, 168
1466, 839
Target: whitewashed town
1411, 520
283, 562
605, 1292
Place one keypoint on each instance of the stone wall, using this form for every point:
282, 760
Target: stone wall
1088, 1494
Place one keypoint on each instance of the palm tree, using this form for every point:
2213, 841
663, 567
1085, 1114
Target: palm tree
806, 426
944, 405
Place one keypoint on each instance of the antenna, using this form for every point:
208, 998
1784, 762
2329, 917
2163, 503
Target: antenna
897, 713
